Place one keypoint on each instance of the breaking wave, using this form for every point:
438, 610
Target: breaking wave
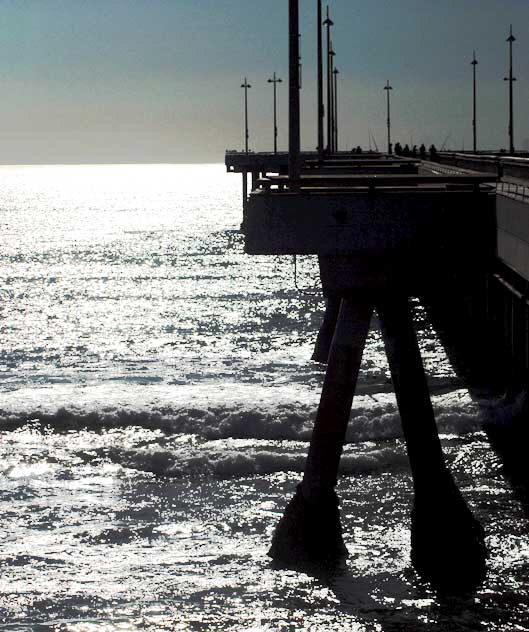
372, 418
240, 463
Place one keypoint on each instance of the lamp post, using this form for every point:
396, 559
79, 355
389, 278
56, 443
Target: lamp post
321, 109
332, 54
387, 88
510, 79
246, 85
328, 23
275, 81
294, 139
336, 72
474, 63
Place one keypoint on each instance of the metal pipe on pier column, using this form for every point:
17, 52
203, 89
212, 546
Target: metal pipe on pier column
321, 110
325, 335
474, 63
244, 189
293, 97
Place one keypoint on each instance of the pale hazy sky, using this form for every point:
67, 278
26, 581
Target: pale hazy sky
158, 80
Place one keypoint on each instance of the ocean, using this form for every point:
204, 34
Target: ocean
156, 403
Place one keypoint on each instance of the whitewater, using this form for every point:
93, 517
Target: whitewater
156, 403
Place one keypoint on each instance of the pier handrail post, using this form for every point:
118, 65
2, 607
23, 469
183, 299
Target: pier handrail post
293, 114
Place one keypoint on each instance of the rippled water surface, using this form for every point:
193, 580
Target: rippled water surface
156, 400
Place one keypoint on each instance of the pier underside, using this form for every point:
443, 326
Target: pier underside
381, 239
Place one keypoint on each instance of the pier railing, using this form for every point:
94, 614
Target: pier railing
513, 189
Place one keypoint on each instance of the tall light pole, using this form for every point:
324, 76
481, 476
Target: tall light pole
510, 79
275, 81
336, 72
474, 63
294, 140
387, 88
328, 23
246, 85
331, 104
321, 109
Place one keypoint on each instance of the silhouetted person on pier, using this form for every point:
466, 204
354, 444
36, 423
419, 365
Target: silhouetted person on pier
433, 153
398, 149
406, 151
422, 152
414, 151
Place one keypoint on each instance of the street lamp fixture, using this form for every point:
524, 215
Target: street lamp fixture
275, 81
328, 23
246, 85
474, 63
336, 72
511, 80
387, 88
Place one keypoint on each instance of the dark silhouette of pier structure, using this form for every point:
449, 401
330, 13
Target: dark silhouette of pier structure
386, 229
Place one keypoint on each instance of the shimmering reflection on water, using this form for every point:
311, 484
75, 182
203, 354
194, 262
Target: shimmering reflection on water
156, 403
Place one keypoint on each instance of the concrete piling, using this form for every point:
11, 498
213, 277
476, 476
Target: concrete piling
328, 436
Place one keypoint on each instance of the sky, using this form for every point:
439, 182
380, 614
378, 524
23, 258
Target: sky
103, 81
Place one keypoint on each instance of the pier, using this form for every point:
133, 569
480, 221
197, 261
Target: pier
450, 233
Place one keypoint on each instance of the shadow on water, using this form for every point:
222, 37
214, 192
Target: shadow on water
397, 603
448, 555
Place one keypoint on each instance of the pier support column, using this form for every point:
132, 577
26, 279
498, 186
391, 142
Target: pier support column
328, 436
412, 393
310, 529
255, 177
447, 542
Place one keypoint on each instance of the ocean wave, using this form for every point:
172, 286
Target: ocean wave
240, 463
372, 418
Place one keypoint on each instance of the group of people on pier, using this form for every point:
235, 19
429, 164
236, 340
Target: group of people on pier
405, 151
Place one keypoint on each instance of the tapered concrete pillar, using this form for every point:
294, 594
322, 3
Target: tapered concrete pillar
328, 436
310, 529
447, 542
411, 390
